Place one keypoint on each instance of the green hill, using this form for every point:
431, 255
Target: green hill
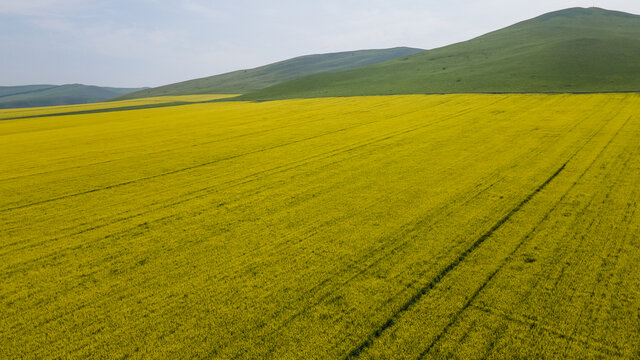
243, 81
573, 50
15, 90
49, 95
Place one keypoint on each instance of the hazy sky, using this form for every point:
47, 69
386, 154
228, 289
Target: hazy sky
131, 43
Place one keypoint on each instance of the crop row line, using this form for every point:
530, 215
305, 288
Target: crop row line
444, 272
609, 350
277, 169
178, 147
406, 230
274, 170
527, 237
355, 353
172, 172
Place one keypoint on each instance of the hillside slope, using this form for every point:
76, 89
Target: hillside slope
243, 81
572, 50
50, 95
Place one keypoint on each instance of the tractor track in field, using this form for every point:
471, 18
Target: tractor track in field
610, 350
564, 267
420, 223
456, 317
407, 229
355, 352
399, 234
403, 231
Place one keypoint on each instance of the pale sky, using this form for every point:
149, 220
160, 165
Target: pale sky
134, 43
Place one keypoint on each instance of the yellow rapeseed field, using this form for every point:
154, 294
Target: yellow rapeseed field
413, 227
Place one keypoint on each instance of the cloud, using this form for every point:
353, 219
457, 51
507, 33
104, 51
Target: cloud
39, 7
202, 10
131, 42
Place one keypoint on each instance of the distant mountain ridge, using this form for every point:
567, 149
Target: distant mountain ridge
571, 50
51, 95
243, 81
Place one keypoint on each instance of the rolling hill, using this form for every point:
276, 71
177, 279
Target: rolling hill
243, 81
49, 95
572, 50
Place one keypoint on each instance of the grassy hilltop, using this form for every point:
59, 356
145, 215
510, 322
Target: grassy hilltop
573, 50
243, 81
